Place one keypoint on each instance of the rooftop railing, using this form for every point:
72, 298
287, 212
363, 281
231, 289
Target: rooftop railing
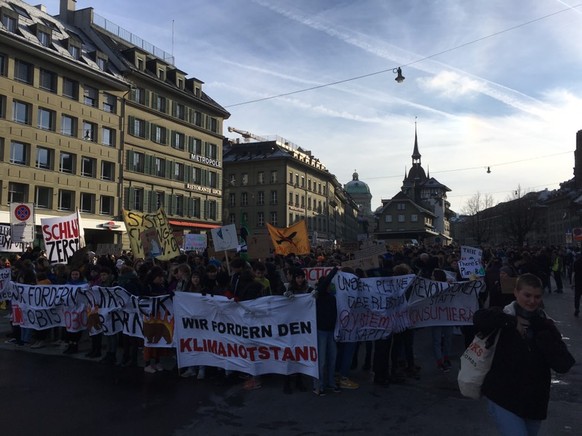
126, 35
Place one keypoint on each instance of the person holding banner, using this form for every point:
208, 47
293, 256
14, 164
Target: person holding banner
73, 338
529, 346
155, 281
442, 335
326, 316
248, 289
259, 270
298, 285
195, 285
129, 281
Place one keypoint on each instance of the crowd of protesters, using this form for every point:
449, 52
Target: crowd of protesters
392, 360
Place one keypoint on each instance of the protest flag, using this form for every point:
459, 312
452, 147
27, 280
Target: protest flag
293, 239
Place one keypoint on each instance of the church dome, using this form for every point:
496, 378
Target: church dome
416, 173
356, 186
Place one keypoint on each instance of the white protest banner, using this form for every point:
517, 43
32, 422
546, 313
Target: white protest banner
470, 263
99, 309
5, 285
41, 307
224, 238
195, 242
268, 335
312, 275
451, 275
7, 244
370, 308
105, 309
432, 303
157, 317
22, 222
62, 237
364, 263
150, 235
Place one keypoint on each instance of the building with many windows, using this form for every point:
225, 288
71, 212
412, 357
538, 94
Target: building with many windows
96, 119
277, 182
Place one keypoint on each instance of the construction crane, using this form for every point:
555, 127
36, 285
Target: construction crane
247, 135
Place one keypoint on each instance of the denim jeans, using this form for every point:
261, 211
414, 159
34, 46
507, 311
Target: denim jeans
509, 424
327, 352
345, 355
442, 337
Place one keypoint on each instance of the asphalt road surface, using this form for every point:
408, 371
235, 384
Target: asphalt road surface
43, 392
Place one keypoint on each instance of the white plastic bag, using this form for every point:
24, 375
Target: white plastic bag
475, 364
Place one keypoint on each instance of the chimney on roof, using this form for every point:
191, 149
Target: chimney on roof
67, 10
41, 8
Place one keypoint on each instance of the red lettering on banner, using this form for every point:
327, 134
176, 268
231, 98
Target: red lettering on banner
252, 353
62, 230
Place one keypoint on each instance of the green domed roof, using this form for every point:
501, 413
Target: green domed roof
356, 186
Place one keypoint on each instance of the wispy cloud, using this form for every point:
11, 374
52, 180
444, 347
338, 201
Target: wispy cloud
384, 50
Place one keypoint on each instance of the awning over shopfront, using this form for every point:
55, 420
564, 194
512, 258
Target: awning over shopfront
193, 225
87, 223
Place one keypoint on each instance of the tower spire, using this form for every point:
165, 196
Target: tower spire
415, 153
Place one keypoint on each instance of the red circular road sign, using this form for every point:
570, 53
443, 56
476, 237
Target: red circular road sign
22, 212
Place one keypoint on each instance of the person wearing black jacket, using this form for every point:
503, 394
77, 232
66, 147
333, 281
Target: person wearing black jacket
326, 315
529, 347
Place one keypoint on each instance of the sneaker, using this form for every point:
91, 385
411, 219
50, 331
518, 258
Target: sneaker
346, 383
444, 368
92, 354
319, 393
11, 341
150, 369
252, 384
300, 386
71, 349
158, 366
201, 374
382, 382
397, 377
190, 372
37, 345
336, 390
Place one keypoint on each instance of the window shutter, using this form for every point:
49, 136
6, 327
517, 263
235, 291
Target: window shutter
131, 125
169, 169
131, 205
147, 167
129, 165
126, 198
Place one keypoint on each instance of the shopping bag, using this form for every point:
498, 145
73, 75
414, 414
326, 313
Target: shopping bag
475, 364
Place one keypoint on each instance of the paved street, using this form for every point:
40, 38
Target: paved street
44, 392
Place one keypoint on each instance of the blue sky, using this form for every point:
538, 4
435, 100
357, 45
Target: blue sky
511, 101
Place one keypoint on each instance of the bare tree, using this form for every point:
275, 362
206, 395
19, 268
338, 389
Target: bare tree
520, 214
478, 221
